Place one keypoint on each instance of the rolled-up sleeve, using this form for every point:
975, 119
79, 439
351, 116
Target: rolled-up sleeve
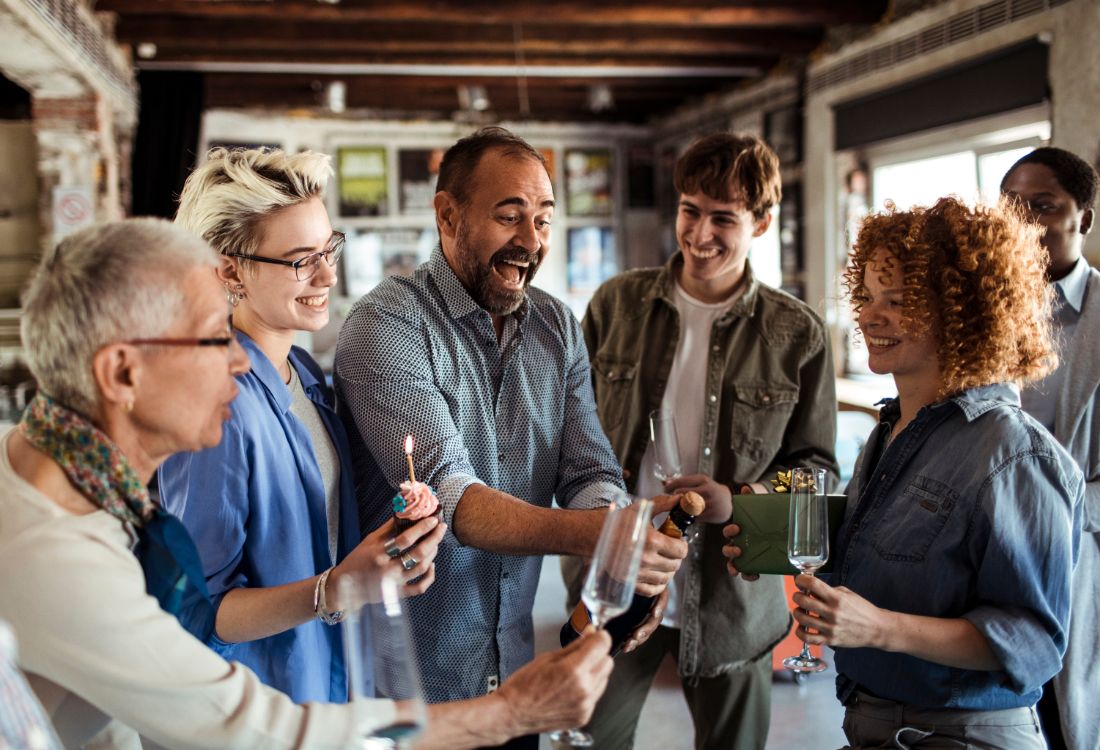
384, 377
1025, 562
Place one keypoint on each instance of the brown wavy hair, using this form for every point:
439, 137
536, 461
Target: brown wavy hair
973, 279
731, 167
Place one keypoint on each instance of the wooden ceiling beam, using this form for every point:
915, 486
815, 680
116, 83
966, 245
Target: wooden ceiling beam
604, 59
747, 13
171, 33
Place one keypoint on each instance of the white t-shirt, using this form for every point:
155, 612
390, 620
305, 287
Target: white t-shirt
684, 398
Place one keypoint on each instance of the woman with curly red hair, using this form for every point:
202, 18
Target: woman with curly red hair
948, 603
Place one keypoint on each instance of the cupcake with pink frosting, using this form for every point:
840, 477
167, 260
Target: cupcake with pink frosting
414, 501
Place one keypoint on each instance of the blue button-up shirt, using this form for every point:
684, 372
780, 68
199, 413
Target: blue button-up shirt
255, 506
419, 356
973, 511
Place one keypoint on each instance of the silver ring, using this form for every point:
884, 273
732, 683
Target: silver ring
408, 562
391, 547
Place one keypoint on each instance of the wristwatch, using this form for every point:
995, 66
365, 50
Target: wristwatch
319, 607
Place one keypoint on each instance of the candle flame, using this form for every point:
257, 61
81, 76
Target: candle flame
408, 445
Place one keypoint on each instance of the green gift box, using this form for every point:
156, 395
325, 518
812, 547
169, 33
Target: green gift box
763, 539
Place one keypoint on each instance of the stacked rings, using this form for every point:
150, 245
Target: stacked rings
391, 548
408, 562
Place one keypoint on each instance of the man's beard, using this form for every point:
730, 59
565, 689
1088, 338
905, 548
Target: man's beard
478, 277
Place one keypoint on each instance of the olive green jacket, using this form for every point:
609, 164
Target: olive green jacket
769, 404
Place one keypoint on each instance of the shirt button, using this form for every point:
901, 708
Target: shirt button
706, 451
713, 398
717, 348
766, 399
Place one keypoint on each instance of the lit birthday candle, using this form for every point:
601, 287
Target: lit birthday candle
409, 457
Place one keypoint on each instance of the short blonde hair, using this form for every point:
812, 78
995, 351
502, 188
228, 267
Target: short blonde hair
224, 199
104, 284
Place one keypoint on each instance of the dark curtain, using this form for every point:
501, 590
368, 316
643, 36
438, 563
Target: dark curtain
167, 139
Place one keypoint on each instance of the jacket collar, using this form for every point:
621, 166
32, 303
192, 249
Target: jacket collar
662, 287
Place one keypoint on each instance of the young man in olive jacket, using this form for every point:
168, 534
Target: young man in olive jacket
747, 371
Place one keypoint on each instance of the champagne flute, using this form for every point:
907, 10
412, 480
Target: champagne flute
807, 543
381, 661
665, 444
609, 586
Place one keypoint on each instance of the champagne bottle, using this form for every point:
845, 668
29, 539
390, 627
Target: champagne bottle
679, 519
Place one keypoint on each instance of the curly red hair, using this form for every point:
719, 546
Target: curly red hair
974, 279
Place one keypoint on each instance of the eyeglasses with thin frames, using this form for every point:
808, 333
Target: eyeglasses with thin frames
304, 268
212, 341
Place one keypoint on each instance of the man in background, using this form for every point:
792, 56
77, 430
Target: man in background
1059, 189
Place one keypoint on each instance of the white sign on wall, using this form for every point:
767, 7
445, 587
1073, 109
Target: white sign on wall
73, 208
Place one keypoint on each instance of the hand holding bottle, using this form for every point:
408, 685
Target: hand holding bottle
719, 499
662, 555
648, 625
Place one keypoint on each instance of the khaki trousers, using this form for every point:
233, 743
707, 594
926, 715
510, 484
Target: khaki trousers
871, 722
730, 712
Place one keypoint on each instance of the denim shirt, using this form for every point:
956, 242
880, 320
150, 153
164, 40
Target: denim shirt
973, 511
255, 505
419, 356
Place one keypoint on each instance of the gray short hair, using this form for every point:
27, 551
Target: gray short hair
107, 283
224, 200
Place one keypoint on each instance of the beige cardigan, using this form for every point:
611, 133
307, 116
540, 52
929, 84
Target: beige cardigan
96, 647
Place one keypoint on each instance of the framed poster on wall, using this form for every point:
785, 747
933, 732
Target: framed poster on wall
373, 254
588, 180
418, 170
361, 177
591, 258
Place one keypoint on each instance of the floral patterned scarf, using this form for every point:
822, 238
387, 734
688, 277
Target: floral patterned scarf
99, 470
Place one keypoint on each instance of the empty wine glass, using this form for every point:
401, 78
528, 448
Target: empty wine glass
666, 445
381, 661
807, 543
609, 586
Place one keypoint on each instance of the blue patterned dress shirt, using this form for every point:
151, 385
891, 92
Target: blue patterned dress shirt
419, 356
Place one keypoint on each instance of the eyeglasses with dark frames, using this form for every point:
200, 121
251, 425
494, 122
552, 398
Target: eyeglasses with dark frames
304, 268
212, 341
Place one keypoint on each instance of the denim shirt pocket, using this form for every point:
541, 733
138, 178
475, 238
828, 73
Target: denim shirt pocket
910, 525
612, 382
759, 414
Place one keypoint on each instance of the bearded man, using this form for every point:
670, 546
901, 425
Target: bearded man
491, 377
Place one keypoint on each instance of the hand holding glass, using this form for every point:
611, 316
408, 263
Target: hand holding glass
609, 586
807, 543
665, 444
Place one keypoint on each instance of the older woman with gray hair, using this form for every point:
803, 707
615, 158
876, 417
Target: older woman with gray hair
127, 331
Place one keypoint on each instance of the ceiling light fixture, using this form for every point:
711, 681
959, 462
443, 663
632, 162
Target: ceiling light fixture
600, 98
336, 96
473, 98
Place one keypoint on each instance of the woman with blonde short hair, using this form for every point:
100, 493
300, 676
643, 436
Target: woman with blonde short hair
272, 507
